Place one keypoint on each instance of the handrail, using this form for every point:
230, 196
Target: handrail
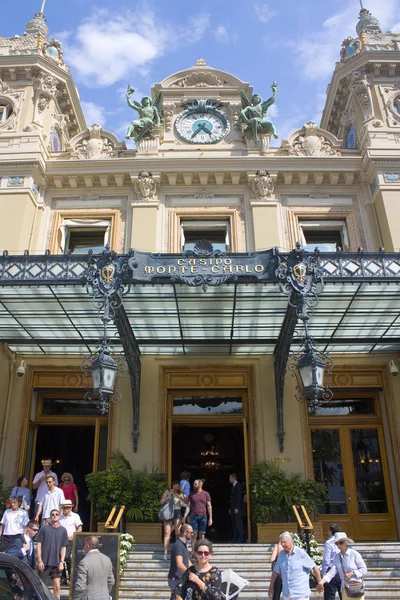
303, 521
304, 525
111, 525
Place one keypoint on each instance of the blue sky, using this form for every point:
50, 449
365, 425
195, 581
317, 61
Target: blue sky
110, 44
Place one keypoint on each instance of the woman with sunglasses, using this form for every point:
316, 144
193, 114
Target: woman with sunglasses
203, 581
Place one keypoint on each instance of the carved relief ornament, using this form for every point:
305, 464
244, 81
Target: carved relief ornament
94, 144
11, 99
361, 87
145, 186
391, 95
263, 186
200, 79
311, 140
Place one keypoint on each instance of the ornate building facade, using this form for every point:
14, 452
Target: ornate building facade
206, 329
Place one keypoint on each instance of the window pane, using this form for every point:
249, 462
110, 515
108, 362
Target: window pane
345, 406
371, 493
82, 241
11, 584
69, 406
328, 469
217, 237
317, 236
207, 405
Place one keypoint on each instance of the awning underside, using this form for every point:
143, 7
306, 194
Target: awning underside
237, 319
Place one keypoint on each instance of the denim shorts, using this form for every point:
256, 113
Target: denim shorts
198, 522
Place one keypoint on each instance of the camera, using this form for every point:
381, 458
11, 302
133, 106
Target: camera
21, 370
393, 368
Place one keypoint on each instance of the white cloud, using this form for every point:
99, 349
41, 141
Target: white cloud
263, 12
223, 36
318, 52
94, 114
109, 47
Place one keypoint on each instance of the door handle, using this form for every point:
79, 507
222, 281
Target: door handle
349, 497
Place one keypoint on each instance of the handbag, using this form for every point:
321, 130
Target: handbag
166, 512
353, 589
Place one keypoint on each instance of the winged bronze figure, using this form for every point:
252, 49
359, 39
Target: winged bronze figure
150, 115
252, 116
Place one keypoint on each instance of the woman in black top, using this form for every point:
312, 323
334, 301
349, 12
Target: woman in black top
202, 582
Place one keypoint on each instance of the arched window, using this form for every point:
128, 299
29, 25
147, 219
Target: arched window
350, 137
56, 145
6, 110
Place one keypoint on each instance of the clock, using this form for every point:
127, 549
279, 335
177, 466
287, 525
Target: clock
202, 123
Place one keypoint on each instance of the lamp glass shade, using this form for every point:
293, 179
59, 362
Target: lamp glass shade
311, 370
104, 372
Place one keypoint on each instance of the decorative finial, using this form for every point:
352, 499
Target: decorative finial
43, 5
200, 62
37, 25
362, 5
367, 22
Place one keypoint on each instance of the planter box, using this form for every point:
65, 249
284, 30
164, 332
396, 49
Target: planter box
144, 533
269, 532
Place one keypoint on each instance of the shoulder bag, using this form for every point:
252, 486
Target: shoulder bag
354, 589
166, 512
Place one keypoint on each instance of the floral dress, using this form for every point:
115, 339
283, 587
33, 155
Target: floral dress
212, 579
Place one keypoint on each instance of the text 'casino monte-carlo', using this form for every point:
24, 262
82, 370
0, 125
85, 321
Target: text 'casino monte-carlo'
230, 277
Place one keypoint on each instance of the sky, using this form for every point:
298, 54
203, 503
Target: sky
110, 44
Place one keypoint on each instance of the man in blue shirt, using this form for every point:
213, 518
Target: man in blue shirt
184, 483
330, 551
294, 566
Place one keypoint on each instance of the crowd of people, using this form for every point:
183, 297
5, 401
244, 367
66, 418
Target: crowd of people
187, 513
191, 574
52, 526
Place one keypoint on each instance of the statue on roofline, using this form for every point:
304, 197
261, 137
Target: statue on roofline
252, 116
150, 116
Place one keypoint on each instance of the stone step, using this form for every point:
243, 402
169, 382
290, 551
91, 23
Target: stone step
256, 583
247, 594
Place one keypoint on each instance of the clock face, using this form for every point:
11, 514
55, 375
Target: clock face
202, 127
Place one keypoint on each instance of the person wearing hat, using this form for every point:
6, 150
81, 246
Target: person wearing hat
348, 563
73, 524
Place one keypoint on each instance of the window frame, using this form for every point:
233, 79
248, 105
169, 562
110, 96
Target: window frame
110, 219
323, 214
232, 216
206, 225
340, 226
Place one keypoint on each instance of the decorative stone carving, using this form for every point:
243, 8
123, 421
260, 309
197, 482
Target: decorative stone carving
150, 145
320, 196
168, 114
311, 140
89, 198
200, 79
45, 87
94, 144
391, 96
145, 186
12, 101
203, 195
53, 49
360, 86
350, 47
263, 186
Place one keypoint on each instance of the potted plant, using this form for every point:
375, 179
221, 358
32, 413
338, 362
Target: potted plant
138, 491
274, 492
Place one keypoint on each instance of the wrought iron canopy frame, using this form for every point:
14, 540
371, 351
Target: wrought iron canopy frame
250, 283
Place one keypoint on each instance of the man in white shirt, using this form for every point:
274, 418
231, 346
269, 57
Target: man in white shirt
12, 523
53, 499
39, 481
330, 551
72, 523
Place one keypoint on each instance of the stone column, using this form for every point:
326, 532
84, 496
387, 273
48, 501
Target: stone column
145, 209
266, 210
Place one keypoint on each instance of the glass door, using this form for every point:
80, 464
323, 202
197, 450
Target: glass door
350, 461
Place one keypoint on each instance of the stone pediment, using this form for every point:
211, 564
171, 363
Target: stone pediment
202, 76
311, 140
95, 143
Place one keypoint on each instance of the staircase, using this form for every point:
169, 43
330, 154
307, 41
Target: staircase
145, 574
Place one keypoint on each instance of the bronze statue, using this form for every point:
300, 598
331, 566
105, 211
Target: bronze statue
149, 116
252, 115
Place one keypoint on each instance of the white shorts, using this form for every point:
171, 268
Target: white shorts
291, 598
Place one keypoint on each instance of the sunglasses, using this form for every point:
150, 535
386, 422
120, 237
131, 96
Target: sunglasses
33, 529
54, 514
202, 553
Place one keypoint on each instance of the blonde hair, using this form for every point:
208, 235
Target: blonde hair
68, 475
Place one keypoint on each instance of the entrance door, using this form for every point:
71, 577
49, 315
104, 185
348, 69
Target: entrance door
212, 454
71, 450
207, 436
350, 460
